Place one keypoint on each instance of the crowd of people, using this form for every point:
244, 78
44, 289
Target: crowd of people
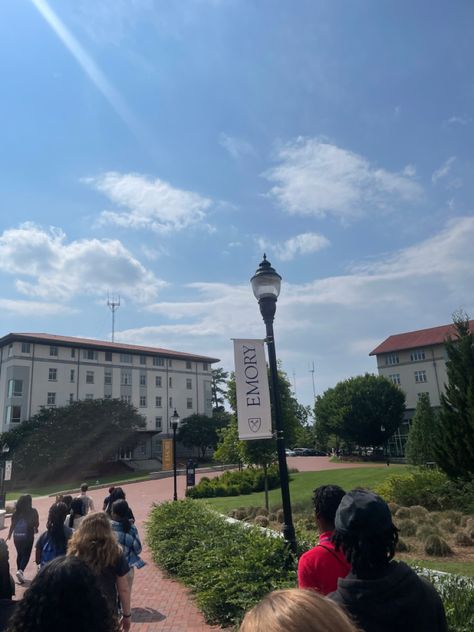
348, 582
86, 561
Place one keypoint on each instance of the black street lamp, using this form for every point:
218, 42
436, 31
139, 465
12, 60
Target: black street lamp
174, 425
266, 284
4, 452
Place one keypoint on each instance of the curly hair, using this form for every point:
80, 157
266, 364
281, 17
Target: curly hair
55, 524
6, 587
64, 595
296, 610
368, 554
326, 500
95, 543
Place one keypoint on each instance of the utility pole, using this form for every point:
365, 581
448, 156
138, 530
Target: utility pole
113, 304
312, 378
294, 382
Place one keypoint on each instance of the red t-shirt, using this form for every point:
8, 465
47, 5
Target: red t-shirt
320, 567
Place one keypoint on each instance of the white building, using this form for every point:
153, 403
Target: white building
416, 362
39, 370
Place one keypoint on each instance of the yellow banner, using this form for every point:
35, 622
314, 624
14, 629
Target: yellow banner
167, 454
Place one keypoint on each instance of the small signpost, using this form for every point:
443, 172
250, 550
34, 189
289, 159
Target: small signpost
190, 473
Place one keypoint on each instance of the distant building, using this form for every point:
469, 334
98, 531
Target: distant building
39, 370
416, 362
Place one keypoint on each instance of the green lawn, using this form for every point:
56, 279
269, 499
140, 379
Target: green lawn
459, 568
303, 483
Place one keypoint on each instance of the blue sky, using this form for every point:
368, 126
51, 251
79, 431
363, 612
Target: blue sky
156, 149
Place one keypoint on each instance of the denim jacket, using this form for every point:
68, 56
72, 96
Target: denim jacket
132, 547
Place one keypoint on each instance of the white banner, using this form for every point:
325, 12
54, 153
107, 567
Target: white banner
253, 395
8, 471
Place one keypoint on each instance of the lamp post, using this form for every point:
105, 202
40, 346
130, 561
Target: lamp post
174, 426
266, 284
5, 450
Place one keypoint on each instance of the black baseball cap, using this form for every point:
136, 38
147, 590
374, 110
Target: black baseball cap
362, 511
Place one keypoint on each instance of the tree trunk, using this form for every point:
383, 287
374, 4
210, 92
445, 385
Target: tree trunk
265, 479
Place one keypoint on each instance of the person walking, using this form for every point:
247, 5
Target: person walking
127, 536
95, 544
24, 525
64, 596
118, 494
76, 514
87, 500
53, 542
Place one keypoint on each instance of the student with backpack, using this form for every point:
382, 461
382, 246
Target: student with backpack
24, 525
53, 542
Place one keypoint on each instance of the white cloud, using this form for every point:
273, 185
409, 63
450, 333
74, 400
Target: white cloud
26, 308
236, 147
334, 321
303, 244
149, 204
61, 270
443, 171
317, 178
459, 120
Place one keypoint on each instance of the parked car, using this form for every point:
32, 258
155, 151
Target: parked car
308, 452
289, 452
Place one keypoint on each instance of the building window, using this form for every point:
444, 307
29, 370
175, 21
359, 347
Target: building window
126, 378
158, 402
89, 377
189, 402
205, 366
142, 401
73, 353
395, 378
126, 358
15, 388
189, 365
89, 396
189, 383
392, 358
71, 398
127, 399
142, 379
108, 356
158, 422
170, 362
10, 350
170, 382
108, 377
25, 347
72, 375
53, 351
89, 354
142, 359
420, 376
158, 381
107, 396
171, 402
52, 375
158, 361
417, 355
13, 415
51, 401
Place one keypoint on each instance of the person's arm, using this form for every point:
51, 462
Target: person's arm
35, 520
91, 505
137, 545
12, 526
123, 590
38, 549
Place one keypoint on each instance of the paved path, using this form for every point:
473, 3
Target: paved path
158, 603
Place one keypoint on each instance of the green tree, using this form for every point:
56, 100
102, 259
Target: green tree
229, 448
219, 392
421, 436
74, 437
199, 431
262, 453
357, 409
454, 448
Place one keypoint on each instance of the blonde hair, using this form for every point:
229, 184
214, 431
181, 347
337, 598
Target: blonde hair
296, 610
95, 543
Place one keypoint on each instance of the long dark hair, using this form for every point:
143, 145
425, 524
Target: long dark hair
6, 590
55, 525
368, 554
64, 595
121, 514
77, 509
23, 506
116, 494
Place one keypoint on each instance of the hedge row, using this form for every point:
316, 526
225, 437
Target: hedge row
235, 483
228, 568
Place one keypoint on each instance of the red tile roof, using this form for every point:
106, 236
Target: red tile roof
416, 339
104, 345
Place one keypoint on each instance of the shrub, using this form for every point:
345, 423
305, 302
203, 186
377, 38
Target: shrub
261, 521
437, 546
235, 483
417, 512
240, 514
454, 516
403, 513
227, 567
446, 525
424, 531
457, 594
402, 546
463, 539
407, 527
280, 516
393, 508
272, 517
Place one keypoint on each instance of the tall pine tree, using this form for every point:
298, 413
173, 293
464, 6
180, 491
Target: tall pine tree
419, 448
454, 446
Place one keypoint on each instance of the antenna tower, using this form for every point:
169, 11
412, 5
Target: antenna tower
312, 378
113, 304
